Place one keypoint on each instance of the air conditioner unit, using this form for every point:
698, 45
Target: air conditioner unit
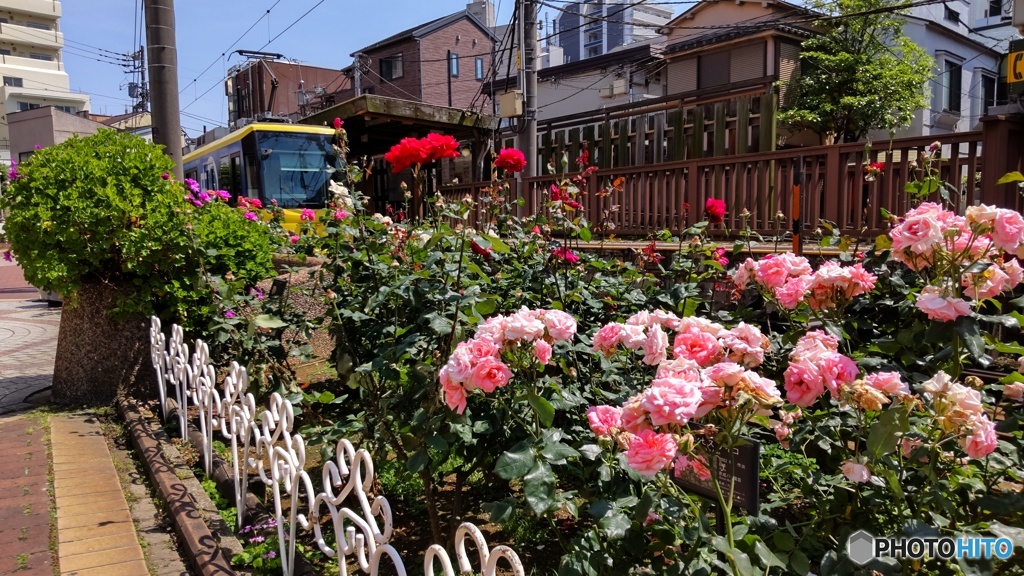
619, 86
607, 92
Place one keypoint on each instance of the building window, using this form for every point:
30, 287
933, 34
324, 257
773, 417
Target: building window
23, 106
37, 26
5, 52
988, 93
952, 15
713, 70
593, 51
68, 109
952, 76
479, 66
391, 67
453, 64
995, 8
38, 56
13, 81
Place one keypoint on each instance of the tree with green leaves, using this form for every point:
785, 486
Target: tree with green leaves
861, 73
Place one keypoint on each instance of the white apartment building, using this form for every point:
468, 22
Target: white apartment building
31, 64
591, 28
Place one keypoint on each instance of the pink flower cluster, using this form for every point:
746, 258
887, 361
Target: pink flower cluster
959, 410
789, 280
815, 365
476, 364
931, 237
707, 367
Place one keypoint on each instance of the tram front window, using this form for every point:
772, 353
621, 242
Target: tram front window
295, 168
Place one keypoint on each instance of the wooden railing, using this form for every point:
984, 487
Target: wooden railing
672, 195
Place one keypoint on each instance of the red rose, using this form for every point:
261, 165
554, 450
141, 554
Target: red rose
715, 210
510, 160
565, 254
480, 250
408, 152
440, 146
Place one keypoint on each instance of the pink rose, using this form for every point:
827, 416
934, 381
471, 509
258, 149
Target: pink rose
1014, 391
632, 336
480, 348
460, 364
633, 416
856, 472
641, 318
889, 382
655, 346
683, 368
294, 239
454, 393
782, 433
307, 215
650, 452
921, 230
908, 446
837, 370
671, 401
490, 373
701, 347
814, 345
524, 325
710, 398
340, 214
803, 383
967, 399
560, 325
792, 293
744, 343
941, 308
604, 419
1007, 230
698, 324
666, 320
987, 284
492, 329
725, 373
607, 338
982, 440
741, 277
542, 350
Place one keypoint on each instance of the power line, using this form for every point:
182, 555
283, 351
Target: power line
233, 44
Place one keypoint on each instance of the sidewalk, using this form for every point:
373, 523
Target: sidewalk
62, 500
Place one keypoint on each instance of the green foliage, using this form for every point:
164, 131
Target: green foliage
860, 74
102, 209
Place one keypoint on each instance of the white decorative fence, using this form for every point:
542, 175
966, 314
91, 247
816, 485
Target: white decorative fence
266, 443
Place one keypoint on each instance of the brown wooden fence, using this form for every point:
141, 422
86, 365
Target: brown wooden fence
672, 195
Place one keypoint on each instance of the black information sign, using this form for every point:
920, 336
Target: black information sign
741, 469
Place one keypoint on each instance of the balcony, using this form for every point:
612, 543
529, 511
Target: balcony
43, 97
48, 9
25, 36
31, 64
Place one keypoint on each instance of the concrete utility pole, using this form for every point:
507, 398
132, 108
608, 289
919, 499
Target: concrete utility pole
163, 73
530, 52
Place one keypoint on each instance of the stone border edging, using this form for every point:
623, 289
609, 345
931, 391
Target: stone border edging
204, 554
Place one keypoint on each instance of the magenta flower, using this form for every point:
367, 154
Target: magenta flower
12, 174
204, 197
7, 256
308, 215
229, 313
192, 185
165, 176
224, 195
565, 254
250, 215
340, 214
38, 147
294, 239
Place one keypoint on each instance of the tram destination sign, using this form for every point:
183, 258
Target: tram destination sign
741, 470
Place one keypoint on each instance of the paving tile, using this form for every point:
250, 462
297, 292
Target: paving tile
111, 502
38, 564
95, 545
23, 530
102, 558
87, 532
95, 519
87, 485
136, 568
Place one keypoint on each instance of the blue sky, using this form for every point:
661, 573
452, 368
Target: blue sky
205, 29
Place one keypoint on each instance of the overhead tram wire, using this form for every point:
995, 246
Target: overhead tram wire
297, 20
228, 49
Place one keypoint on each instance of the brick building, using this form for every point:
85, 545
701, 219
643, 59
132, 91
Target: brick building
266, 87
420, 63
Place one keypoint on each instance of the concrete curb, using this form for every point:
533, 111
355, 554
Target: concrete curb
203, 550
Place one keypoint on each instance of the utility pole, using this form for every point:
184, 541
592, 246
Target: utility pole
530, 52
163, 73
